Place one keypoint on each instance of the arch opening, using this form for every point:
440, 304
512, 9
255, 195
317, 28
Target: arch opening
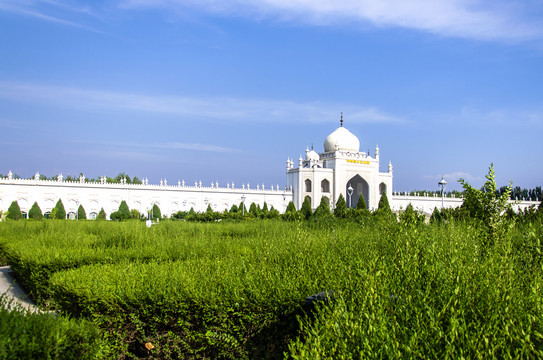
360, 186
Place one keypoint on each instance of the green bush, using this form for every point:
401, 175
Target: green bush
14, 211
35, 212
32, 335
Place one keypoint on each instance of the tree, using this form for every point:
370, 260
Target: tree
156, 212
410, 217
101, 215
341, 207
60, 213
81, 214
306, 208
123, 213
323, 209
361, 205
253, 210
14, 211
487, 205
135, 214
291, 207
35, 212
383, 203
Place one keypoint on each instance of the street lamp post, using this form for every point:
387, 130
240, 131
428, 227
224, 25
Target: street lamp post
77, 211
243, 205
350, 192
443, 185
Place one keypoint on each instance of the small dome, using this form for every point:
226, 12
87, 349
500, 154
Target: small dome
312, 156
341, 139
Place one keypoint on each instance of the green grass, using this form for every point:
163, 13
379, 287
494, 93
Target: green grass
236, 290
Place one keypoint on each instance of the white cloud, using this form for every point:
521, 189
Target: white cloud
478, 19
455, 176
40, 8
234, 110
121, 146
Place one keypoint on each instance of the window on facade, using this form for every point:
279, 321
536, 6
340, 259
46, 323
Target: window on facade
308, 185
325, 186
93, 216
382, 188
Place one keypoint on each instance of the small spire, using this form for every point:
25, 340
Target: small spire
341, 121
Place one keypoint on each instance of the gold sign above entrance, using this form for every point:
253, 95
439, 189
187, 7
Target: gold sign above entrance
362, 162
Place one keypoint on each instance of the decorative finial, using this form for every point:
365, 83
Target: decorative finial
341, 121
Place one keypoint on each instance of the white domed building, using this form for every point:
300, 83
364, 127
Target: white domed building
340, 169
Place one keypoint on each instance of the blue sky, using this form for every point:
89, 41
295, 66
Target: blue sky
226, 90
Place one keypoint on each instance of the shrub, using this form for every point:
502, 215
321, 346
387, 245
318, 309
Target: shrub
81, 214
35, 212
306, 208
341, 207
14, 211
32, 335
59, 212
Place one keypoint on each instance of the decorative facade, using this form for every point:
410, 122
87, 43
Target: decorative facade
340, 169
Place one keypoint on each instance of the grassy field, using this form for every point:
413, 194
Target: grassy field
237, 289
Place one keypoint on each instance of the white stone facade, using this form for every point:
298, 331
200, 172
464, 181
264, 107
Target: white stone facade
341, 166
170, 199
320, 175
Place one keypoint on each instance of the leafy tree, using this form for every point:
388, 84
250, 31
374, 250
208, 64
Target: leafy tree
264, 213
135, 214
361, 205
410, 217
306, 208
436, 216
291, 207
487, 205
35, 212
60, 213
81, 214
156, 212
234, 209
101, 215
123, 213
341, 207
383, 203
14, 211
253, 210
323, 209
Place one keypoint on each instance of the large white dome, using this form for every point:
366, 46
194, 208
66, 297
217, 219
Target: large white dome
341, 139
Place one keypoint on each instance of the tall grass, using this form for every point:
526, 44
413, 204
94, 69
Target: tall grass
228, 290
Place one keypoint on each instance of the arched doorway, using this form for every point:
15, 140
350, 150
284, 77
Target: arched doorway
382, 188
360, 186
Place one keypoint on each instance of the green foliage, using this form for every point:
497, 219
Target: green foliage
14, 211
135, 214
32, 335
101, 215
81, 214
487, 206
361, 205
410, 217
306, 208
59, 212
323, 209
341, 207
383, 203
291, 207
123, 213
234, 290
156, 212
35, 212
253, 210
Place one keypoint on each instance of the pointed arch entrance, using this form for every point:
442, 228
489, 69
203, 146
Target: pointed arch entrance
360, 186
